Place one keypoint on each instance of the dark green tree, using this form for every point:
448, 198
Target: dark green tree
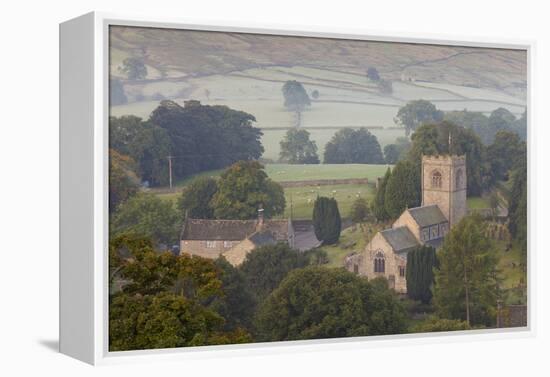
349, 146
517, 204
297, 148
416, 113
243, 188
196, 197
147, 144
326, 220
379, 205
315, 94
467, 280
506, 152
123, 180
320, 302
134, 68
501, 119
238, 301
149, 216
207, 137
268, 265
402, 189
420, 278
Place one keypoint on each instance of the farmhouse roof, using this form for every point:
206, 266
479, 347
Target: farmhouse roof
232, 230
262, 238
401, 239
427, 215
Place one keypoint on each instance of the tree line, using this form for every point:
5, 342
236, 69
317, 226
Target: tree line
196, 137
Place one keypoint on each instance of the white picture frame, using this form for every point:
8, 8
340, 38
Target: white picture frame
84, 191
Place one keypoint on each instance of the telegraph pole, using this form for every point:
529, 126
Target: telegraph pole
170, 170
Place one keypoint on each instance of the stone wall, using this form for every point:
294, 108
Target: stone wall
392, 263
325, 182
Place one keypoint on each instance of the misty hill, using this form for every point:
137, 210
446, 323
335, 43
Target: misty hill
176, 53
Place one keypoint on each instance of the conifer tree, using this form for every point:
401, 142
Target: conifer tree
378, 206
326, 220
402, 189
420, 277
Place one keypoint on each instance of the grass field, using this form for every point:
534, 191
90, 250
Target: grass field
302, 198
287, 172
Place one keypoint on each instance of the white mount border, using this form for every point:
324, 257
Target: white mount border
84, 114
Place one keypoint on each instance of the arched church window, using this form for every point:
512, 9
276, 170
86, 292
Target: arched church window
379, 262
436, 179
459, 178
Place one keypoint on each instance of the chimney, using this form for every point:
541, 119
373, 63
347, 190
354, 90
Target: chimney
260, 223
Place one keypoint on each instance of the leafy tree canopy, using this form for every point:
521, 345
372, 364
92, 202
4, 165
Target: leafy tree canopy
435, 324
149, 216
467, 281
196, 197
297, 148
123, 180
243, 188
320, 302
238, 302
416, 113
147, 144
207, 137
506, 153
134, 68
296, 98
268, 265
349, 146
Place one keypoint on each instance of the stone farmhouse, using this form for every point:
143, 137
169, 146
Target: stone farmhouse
233, 239
443, 205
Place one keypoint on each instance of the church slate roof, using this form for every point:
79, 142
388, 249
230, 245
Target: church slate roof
401, 239
427, 215
231, 230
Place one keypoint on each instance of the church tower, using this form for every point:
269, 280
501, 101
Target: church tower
444, 183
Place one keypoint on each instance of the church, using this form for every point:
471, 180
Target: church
443, 183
